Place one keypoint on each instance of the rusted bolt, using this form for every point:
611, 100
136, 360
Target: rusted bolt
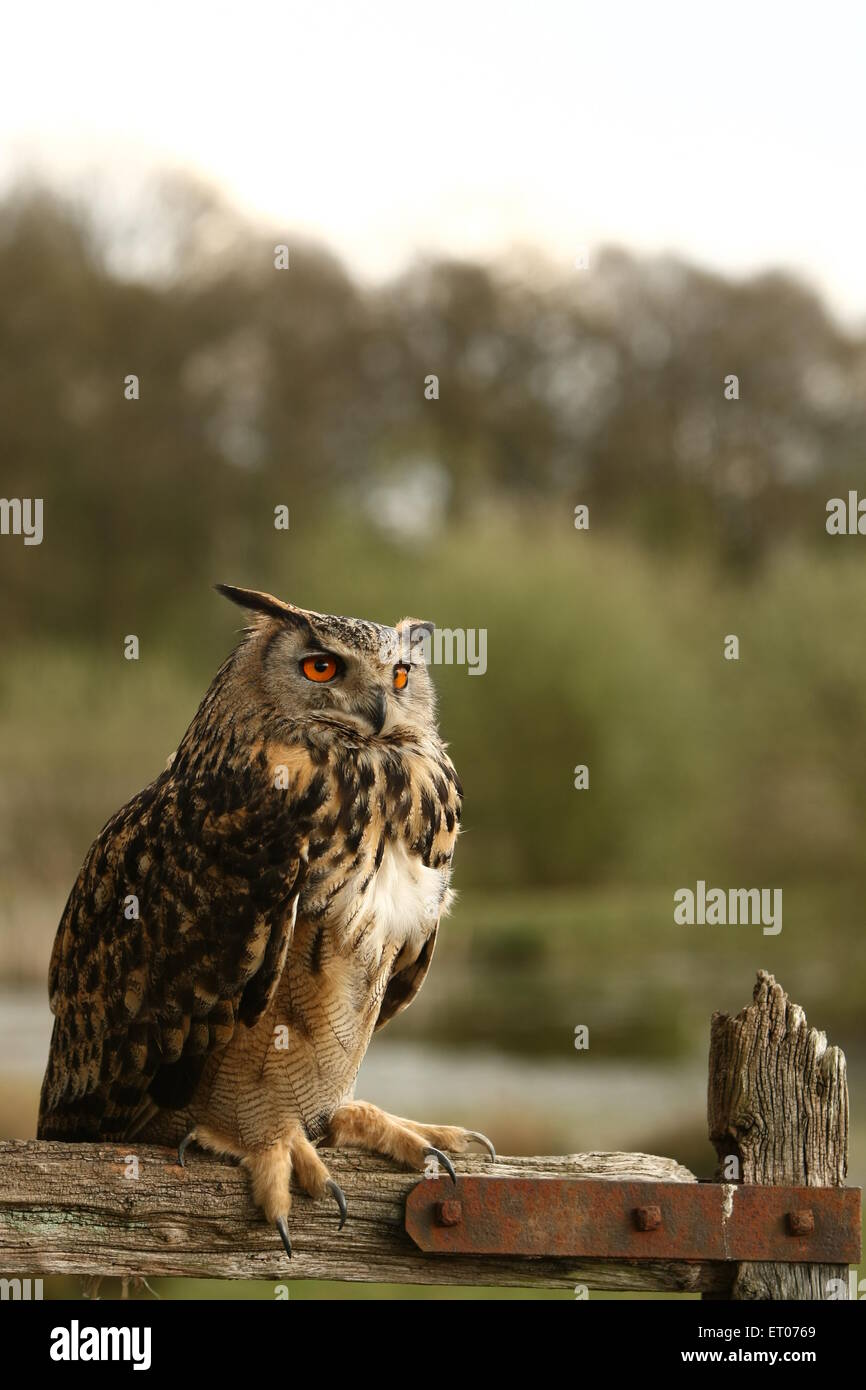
800, 1223
647, 1218
449, 1213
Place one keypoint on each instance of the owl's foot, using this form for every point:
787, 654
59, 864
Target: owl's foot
361, 1125
271, 1169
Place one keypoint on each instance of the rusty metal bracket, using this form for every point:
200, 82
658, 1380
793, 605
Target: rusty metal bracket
612, 1220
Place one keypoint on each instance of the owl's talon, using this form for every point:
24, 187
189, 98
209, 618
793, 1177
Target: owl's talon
284, 1235
183, 1146
339, 1197
444, 1160
483, 1140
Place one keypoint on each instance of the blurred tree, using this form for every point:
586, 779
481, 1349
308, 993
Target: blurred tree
261, 386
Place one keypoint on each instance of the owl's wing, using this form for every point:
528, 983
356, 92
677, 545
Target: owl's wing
177, 929
406, 980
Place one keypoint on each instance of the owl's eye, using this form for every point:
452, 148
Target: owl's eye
401, 677
320, 668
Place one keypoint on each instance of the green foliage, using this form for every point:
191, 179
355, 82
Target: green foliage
261, 387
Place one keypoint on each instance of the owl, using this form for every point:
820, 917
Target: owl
242, 927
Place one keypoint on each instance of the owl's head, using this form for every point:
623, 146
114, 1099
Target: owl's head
317, 667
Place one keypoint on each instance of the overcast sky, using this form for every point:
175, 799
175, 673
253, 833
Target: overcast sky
733, 134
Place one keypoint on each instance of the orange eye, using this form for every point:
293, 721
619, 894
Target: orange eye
319, 668
401, 677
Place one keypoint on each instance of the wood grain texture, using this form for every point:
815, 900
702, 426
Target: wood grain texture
71, 1209
778, 1101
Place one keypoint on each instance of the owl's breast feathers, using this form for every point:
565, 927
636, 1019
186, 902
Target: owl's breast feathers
181, 920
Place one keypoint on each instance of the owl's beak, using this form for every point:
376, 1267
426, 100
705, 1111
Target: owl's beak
374, 709
379, 711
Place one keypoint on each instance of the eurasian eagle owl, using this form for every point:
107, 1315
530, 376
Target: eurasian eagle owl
241, 927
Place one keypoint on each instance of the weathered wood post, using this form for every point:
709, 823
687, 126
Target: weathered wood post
778, 1103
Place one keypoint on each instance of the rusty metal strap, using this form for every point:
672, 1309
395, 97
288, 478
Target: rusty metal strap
635, 1220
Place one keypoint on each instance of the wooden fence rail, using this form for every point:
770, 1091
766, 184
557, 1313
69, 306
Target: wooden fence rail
778, 1116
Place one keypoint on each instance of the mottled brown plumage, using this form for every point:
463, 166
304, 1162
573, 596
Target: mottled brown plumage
241, 927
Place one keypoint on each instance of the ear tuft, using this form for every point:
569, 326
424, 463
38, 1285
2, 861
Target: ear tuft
256, 602
415, 624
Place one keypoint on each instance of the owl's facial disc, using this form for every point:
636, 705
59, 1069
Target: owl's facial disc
345, 672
